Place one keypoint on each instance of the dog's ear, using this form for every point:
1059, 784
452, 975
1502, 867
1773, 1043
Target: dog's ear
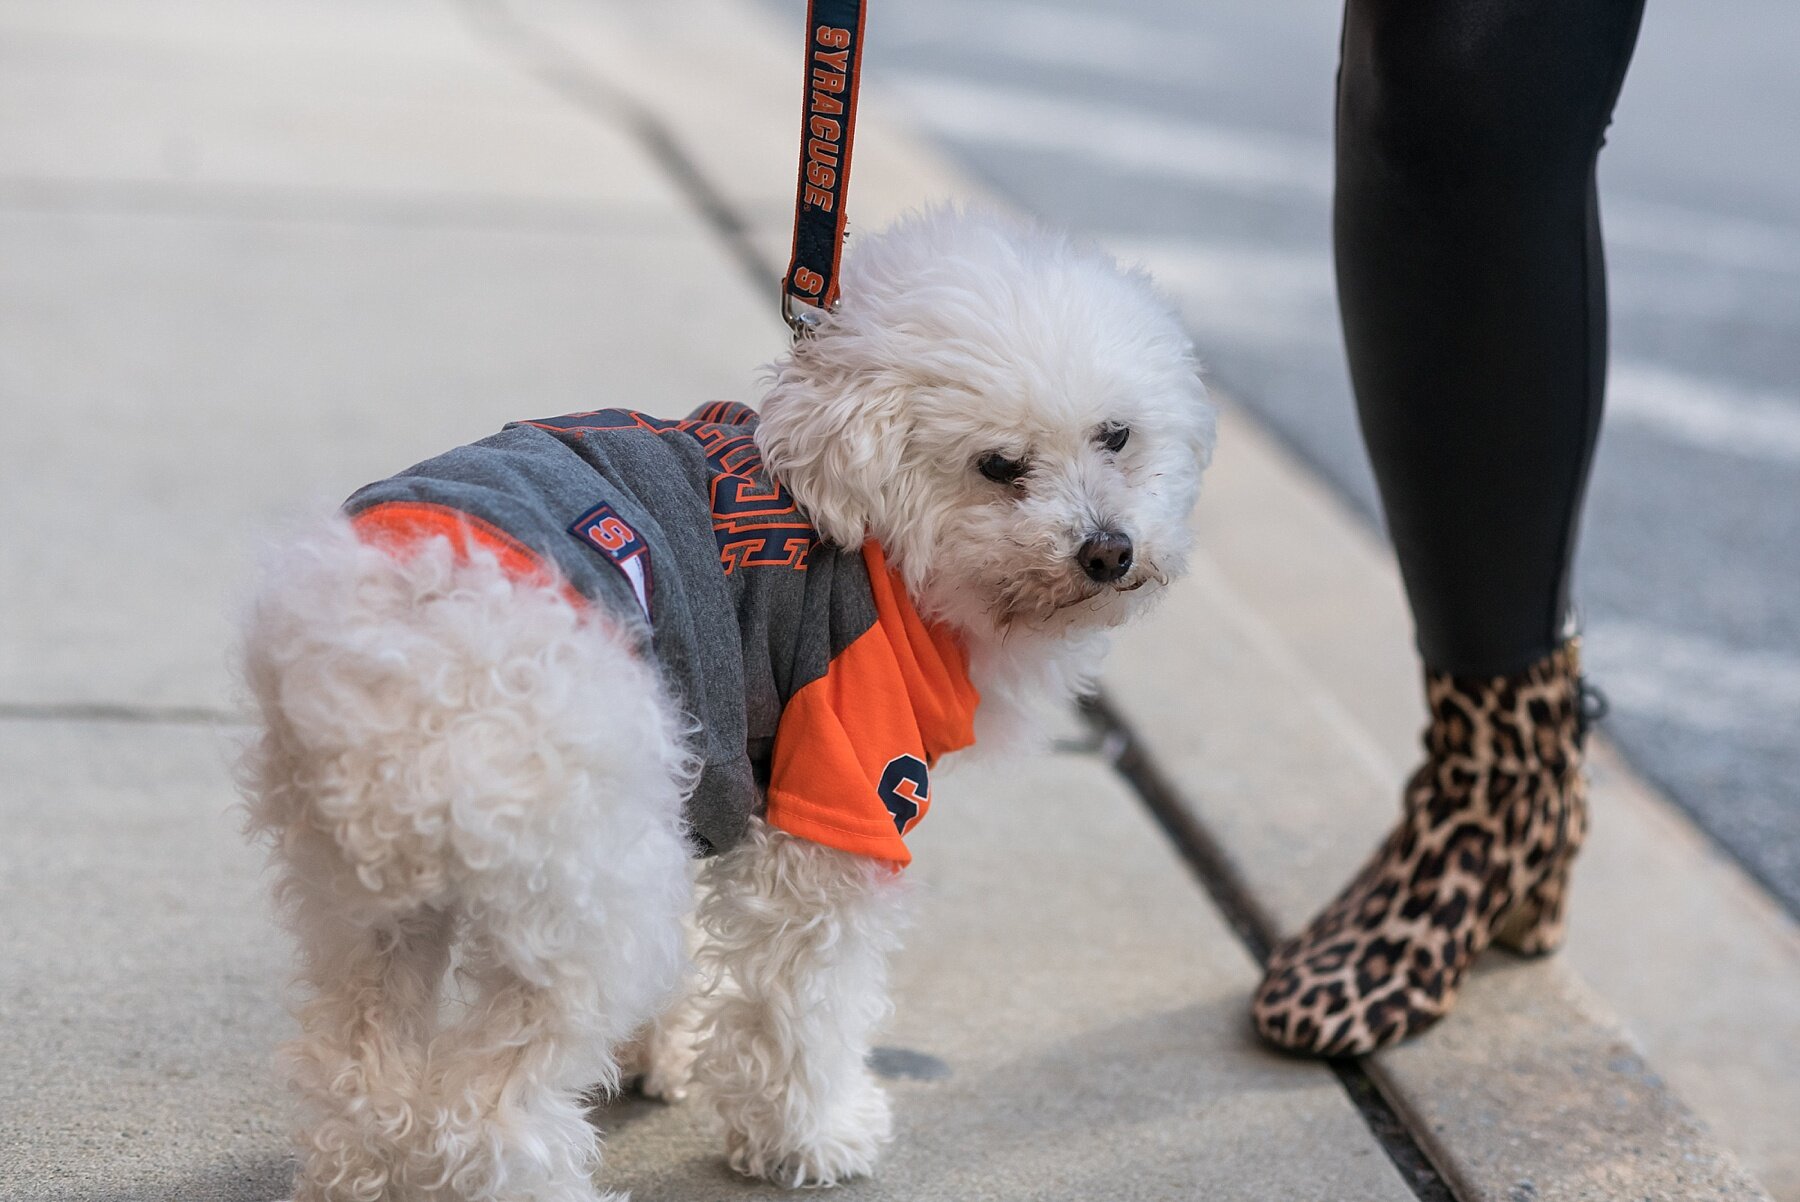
1201, 416
837, 438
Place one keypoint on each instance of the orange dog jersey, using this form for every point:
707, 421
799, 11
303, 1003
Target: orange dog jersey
822, 697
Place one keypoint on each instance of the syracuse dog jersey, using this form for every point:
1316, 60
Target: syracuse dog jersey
822, 697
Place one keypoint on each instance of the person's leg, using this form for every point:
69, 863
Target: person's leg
1473, 296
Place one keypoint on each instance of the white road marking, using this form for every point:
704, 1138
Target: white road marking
1266, 163
1050, 36
1715, 238
1705, 413
1275, 299
1283, 297
1257, 163
1696, 682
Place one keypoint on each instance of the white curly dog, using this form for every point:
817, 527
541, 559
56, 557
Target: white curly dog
473, 767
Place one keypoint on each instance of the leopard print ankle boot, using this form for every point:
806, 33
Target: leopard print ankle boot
1492, 820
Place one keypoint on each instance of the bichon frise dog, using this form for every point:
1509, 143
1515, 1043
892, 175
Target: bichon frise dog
509, 694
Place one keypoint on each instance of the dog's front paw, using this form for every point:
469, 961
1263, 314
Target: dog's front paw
842, 1146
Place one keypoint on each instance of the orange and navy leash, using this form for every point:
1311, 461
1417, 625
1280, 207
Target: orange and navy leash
834, 42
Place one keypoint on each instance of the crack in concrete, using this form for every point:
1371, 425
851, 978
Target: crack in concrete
106, 711
470, 211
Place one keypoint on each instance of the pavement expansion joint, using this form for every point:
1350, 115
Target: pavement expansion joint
100, 711
1255, 930
221, 201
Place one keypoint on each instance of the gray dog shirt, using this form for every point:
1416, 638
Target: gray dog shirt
821, 696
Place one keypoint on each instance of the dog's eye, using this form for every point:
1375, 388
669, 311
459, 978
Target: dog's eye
1000, 469
1113, 436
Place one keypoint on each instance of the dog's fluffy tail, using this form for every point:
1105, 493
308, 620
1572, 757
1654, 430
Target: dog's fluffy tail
437, 733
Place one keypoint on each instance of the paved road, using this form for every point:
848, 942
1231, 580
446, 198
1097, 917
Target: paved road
1204, 128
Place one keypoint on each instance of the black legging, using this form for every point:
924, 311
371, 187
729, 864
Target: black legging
1474, 298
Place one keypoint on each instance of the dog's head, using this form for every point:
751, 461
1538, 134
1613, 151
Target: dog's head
1018, 421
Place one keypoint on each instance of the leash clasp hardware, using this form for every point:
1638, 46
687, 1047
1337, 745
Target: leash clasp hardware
802, 317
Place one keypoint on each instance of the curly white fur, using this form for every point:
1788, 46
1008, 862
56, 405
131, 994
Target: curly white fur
962, 334
432, 773
431, 764
660, 1059
796, 944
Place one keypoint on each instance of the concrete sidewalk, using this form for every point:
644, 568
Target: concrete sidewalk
250, 259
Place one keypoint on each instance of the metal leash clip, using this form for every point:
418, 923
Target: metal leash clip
803, 317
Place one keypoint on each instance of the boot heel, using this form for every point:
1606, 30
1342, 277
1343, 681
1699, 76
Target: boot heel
1536, 924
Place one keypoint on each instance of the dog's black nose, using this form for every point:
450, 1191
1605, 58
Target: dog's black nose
1105, 557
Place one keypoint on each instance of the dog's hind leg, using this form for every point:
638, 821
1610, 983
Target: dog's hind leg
355, 881
567, 953
359, 1061
371, 962
797, 940
510, 1087
571, 879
